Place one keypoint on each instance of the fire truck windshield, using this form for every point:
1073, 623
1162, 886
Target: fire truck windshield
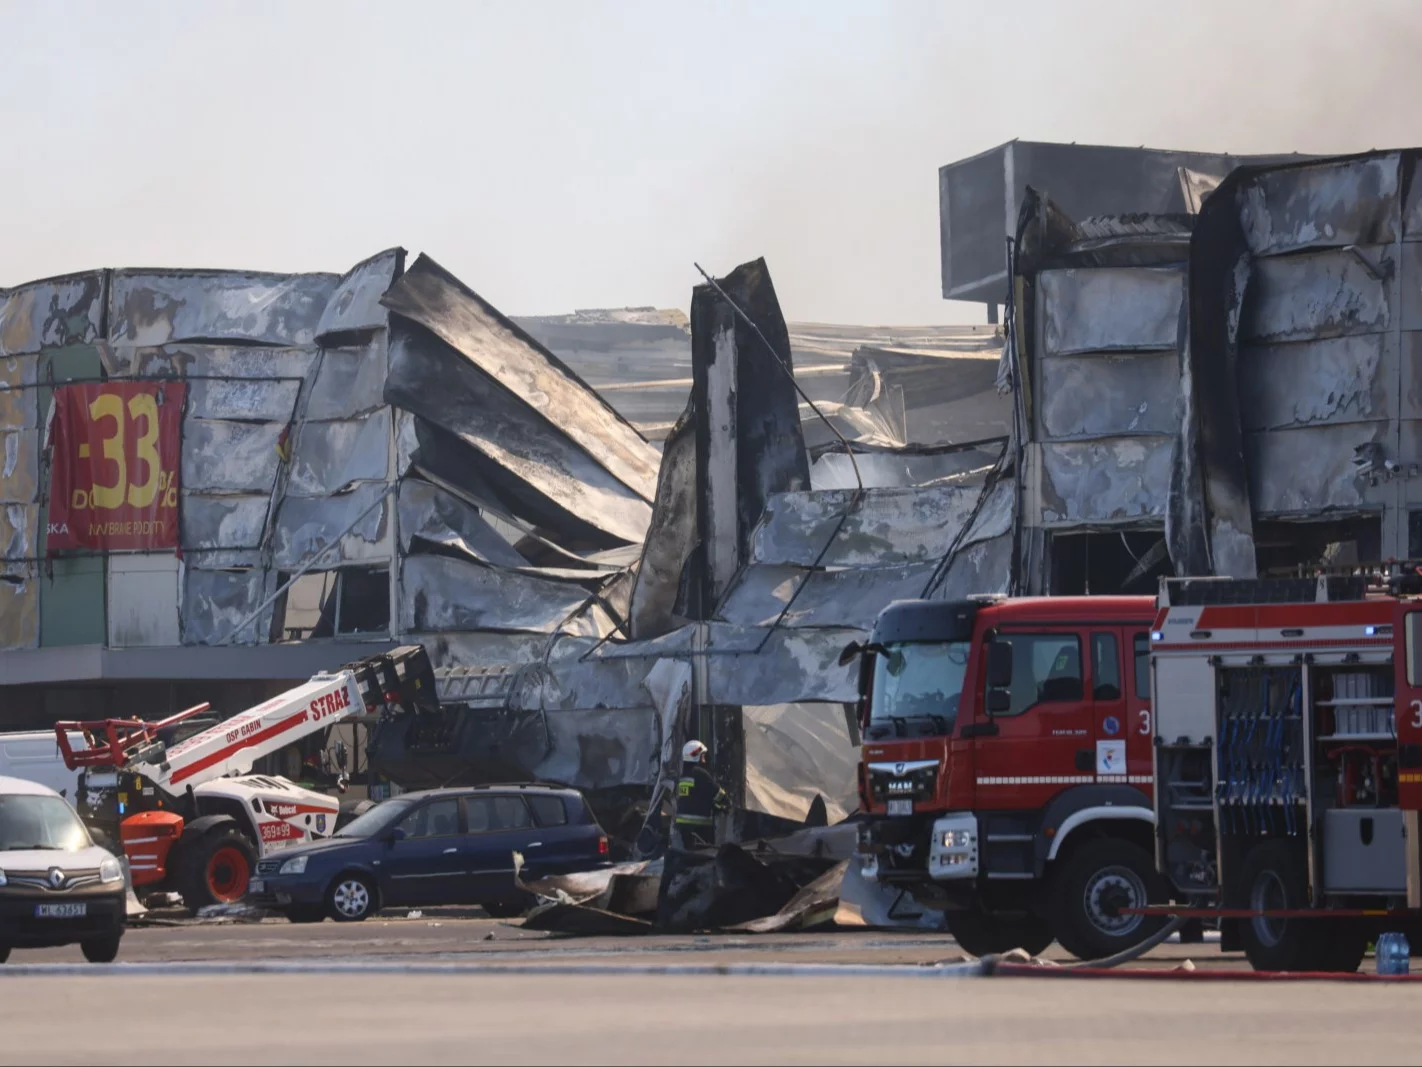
919, 681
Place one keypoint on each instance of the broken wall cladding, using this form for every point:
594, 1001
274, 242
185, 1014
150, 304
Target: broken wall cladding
1327, 204
816, 598
442, 593
432, 516
977, 569
19, 538
52, 313
1310, 471
306, 525
1101, 309
671, 538
331, 455
790, 666
216, 601
221, 456
1341, 379
432, 297
844, 528
256, 308
354, 305
901, 469
1116, 480
433, 380
223, 523
19, 612
1109, 395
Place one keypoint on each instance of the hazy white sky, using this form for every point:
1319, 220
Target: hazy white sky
564, 155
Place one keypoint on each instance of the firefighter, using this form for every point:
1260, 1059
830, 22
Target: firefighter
698, 798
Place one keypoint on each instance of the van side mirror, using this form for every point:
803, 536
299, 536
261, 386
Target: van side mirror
999, 665
397, 834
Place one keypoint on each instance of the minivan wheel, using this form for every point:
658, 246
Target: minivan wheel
351, 898
101, 949
4, 953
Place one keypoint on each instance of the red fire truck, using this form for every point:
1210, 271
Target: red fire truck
1289, 760
1006, 768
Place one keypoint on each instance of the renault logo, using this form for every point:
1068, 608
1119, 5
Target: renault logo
56, 877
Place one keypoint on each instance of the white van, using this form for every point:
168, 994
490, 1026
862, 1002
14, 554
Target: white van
34, 756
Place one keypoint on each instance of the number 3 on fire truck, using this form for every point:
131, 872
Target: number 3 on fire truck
1145, 721
1417, 714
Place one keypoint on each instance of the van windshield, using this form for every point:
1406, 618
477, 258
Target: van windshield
919, 681
28, 822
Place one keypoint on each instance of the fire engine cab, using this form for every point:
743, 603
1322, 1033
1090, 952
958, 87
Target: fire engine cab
1006, 768
1288, 749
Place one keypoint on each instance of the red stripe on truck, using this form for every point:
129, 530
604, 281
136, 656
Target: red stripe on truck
236, 746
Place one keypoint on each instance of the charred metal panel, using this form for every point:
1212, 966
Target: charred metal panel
350, 381
878, 527
432, 297
19, 611
214, 602
565, 486
19, 466
431, 516
1309, 470
440, 593
224, 456
1106, 481
1335, 380
1411, 286
242, 399
211, 522
19, 535
994, 517
214, 361
671, 538
306, 525
1109, 395
903, 468
333, 455
354, 306
19, 401
1330, 204
52, 313
480, 648
1123, 309
977, 569
602, 749
851, 597
749, 444
1318, 294
159, 307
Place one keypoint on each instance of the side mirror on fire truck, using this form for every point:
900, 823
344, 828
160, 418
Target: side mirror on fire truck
850, 651
999, 665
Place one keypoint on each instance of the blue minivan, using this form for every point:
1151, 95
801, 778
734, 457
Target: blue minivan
441, 846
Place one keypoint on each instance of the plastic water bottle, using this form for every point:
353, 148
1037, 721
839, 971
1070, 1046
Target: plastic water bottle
1393, 953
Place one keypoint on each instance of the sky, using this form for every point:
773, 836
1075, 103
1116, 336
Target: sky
577, 155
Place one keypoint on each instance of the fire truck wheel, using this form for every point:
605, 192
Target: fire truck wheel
215, 868
351, 899
979, 934
1088, 891
100, 949
1274, 876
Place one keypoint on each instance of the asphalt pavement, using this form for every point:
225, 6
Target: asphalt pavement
444, 987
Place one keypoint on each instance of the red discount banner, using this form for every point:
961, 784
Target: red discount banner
114, 483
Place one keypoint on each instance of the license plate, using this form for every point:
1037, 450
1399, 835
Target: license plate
901, 807
61, 911
256, 885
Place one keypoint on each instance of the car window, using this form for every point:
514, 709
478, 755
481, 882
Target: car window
1142, 651
512, 813
1046, 668
491, 814
549, 810
1105, 667
438, 818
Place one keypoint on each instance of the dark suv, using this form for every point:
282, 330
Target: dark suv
56, 886
443, 846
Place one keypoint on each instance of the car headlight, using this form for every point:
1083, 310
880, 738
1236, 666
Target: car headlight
957, 838
3, 880
110, 871
295, 865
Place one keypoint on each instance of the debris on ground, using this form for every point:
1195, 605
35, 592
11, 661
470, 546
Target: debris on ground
235, 912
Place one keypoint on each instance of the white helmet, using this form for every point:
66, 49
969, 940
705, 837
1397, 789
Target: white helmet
692, 751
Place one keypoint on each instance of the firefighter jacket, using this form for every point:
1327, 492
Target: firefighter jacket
698, 796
